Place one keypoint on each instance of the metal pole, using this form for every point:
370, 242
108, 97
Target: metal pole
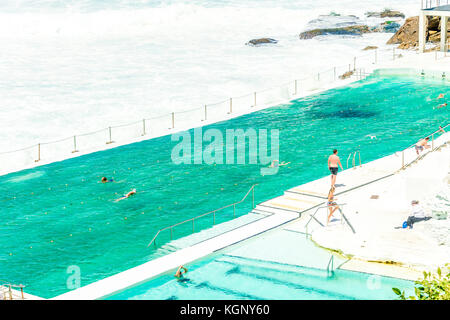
173, 120
206, 112
74, 144
354, 63
318, 76
39, 153
10, 293
253, 198
403, 159
21, 292
376, 56
143, 127
231, 105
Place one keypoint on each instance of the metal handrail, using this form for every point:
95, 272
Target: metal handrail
432, 144
354, 157
7, 287
340, 210
205, 214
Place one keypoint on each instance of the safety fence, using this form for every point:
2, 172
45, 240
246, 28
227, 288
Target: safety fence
182, 120
429, 4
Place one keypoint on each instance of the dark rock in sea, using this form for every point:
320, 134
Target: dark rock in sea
333, 20
256, 42
387, 13
387, 26
350, 30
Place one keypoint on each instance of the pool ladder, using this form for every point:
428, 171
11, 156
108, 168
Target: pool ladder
6, 290
354, 159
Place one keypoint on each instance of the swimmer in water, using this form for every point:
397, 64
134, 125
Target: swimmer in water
105, 180
127, 195
276, 163
441, 106
440, 96
179, 274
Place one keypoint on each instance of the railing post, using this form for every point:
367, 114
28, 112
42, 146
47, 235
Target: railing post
376, 56
354, 63
403, 159
206, 112
110, 139
231, 106
173, 120
74, 144
21, 292
143, 127
39, 153
10, 293
253, 198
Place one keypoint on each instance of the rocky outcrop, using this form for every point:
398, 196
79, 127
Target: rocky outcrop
346, 75
350, 30
256, 42
407, 36
387, 13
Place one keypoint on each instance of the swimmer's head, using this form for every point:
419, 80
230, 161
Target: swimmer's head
104, 179
427, 138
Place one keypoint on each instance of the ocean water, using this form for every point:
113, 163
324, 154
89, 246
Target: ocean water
59, 215
70, 67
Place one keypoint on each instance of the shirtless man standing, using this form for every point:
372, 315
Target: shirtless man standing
333, 162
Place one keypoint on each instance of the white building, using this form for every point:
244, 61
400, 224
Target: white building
433, 8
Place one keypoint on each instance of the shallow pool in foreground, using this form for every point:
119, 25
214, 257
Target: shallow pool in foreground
58, 216
279, 265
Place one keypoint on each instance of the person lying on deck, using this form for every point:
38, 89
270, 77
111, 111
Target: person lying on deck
417, 214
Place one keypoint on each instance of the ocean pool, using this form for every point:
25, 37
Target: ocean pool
59, 215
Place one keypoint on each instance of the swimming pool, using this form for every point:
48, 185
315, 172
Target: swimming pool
59, 215
278, 265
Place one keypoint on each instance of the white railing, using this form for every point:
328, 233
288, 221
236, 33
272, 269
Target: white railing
430, 4
182, 120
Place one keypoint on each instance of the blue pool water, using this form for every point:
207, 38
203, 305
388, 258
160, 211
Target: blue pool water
59, 215
240, 273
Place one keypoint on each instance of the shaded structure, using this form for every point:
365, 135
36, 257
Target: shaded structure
439, 8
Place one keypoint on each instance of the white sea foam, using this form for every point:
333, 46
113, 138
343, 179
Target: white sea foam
69, 67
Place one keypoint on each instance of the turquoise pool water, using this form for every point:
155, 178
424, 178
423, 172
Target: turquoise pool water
59, 215
245, 273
